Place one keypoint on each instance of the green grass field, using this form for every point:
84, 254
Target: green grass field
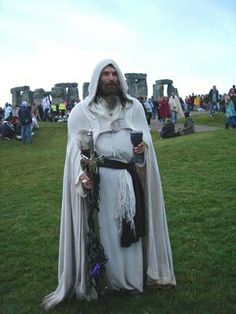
198, 175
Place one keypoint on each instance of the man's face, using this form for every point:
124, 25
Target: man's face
108, 82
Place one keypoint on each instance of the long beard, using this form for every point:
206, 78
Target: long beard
105, 90
111, 92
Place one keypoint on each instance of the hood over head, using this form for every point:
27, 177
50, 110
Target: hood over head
96, 75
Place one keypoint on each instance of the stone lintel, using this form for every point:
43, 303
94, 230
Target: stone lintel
19, 89
66, 85
164, 81
135, 76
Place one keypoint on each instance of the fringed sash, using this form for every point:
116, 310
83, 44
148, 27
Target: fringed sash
129, 234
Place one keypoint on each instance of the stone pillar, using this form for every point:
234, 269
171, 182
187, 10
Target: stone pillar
137, 84
16, 97
65, 91
158, 90
16, 94
171, 89
28, 96
62, 86
58, 95
39, 93
73, 92
85, 89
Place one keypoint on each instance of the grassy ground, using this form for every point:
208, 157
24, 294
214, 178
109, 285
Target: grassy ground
217, 120
198, 175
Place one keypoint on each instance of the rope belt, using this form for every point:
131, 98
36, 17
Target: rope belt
130, 235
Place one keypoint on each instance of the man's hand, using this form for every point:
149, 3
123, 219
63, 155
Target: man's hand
86, 181
140, 148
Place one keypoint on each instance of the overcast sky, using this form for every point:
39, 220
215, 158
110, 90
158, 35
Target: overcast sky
44, 42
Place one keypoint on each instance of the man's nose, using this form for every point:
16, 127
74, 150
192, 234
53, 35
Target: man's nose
111, 77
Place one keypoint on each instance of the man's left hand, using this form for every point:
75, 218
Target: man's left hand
140, 148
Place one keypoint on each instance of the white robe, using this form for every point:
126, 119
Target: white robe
125, 266
175, 105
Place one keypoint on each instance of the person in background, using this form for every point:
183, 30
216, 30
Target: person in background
164, 109
175, 107
232, 91
188, 125
154, 108
230, 113
213, 99
1, 114
7, 111
192, 97
40, 112
188, 103
232, 95
46, 104
25, 120
7, 130
34, 124
197, 101
15, 121
142, 100
149, 109
168, 129
54, 112
62, 109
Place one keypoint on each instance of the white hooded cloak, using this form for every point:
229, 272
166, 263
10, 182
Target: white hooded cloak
154, 248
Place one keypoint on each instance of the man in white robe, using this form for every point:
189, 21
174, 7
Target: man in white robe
112, 114
175, 108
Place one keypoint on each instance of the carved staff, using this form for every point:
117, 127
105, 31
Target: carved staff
97, 259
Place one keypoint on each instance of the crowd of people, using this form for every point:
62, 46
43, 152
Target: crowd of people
166, 110
54, 112
19, 122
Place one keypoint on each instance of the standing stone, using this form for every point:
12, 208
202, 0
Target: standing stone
58, 95
27, 95
38, 96
171, 89
158, 88
66, 91
16, 97
63, 92
137, 84
85, 89
17, 94
73, 93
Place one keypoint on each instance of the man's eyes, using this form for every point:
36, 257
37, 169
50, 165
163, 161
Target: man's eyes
108, 73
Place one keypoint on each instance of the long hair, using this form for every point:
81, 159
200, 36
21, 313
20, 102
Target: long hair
122, 96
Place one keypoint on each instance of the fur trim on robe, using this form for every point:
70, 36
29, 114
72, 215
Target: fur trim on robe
72, 249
